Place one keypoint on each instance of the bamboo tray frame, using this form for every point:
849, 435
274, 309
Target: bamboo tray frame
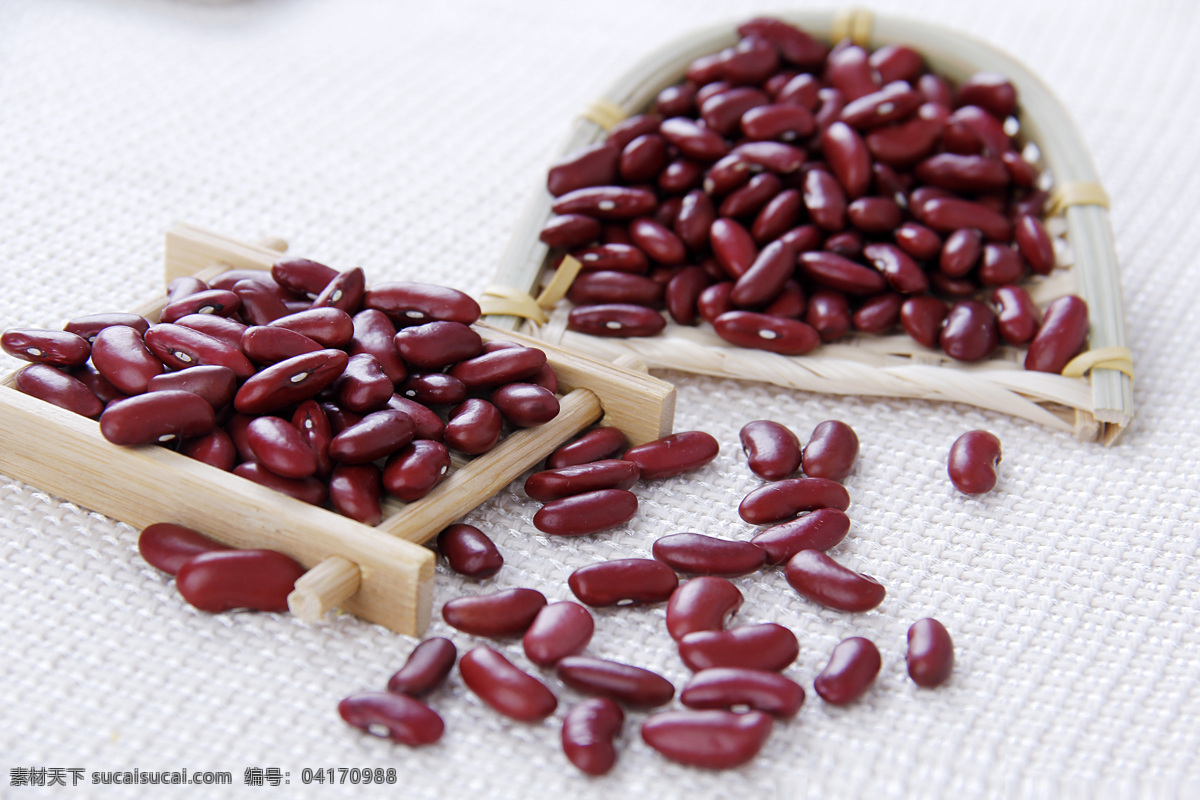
1097, 405
383, 573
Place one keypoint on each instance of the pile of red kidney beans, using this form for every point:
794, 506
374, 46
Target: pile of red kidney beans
788, 193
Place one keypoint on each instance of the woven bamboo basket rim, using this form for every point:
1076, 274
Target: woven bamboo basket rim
1094, 399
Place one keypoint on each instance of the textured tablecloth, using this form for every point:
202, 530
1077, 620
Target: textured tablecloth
405, 138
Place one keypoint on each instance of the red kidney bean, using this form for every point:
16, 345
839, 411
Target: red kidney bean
733, 246
55, 348
674, 454
363, 386
344, 292
974, 457
596, 444
791, 302
505, 687
92, 379
570, 231
751, 61
608, 202
1022, 173
895, 101
215, 448
55, 386
427, 666
374, 333
223, 580
683, 293
1017, 317
969, 333
475, 426
624, 581
961, 252
872, 214
555, 484
300, 275
89, 325
930, 656
612, 256
851, 670
167, 546
804, 237
376, 435
818, 530
693, 140
624, 683
702, 604
1034, 243
121, 356
228, 278
936, 89
219, 302
307, 490
438, 344
180, 347
184, 285
508, 612
313, 424
355, 492
896, 62
828, 313
525, 405
921, 195
280, 447
848, 68
847, 155
469, 551
586, 513
330, 326
676, 101
714, 301
261, 302
712, 739
748, 200
782, 500
723, 111
698, 554
847, 244
263, 344
726, 175
392, 716
594, 165
772, 449
794, 45
777, 217
963, 173
782, 122
610, 286
990, 91
901, 272
922, 318
560, 630
904, 143
842, 274
766, 646
732, 688
918, 241
657, 241
499, 367
1061, 336
831, 451
970, 128
407, 303
1000, 265
631, 128
588, 732
433, 388
157, 417
696, 216
642, 159
822, 580
765, 277
947, 214
764, 332
428, 424
775, 157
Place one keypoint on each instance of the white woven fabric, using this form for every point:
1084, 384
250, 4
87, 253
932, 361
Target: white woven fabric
405, 138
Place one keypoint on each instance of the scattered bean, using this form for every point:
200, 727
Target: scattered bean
851, 670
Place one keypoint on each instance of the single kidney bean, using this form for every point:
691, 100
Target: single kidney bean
817, 530
673, 454
437, 344
702, 604
344, 292
167, 546
694, 140
961, 252
822, 580
969, 332
374, 333
588, 732
828, 312
765, 332
642, 159
676, 101
55, 386
356, 492
427, 666
696, 216
904, 143
794, 45
407, 303
499, 367
930, 657
525, 405
748, 200
633, 686
264, 344
428, 424
728, 174
229, 278
434, 388
963, 173
751, 61
733, 688
302, 276
612, 256
895, 101
90, 377
775, 157
896, 62
505, 687
608, 202
330, 326
849, 69
595, 445
1034, 243
569, 231
713, 739
851, 670
682, 294
555, 484
772, 450
306, 490
157, 417
767, 646
508, 612
393, 716
783, 122
219, 302
560, 630
223, 580
261, 302
1061, 336
214, 448
183, 286
897, 267
89, 325
120, 355
825, 200
847, 244
922, 318
971, 129
918, 241
878, 314
706, 555
624, 581
723, 111
376, 435
475, 426
974, 457
837, 272
313, 423
946, 214
874, 214
777, 217
733, 246
847, 155
363, 386
469, 551
784, 499
586, 513
290, 381
280, 447
765, 278
936, 89
594, 165
831, 451
1000, 265
990, 91
611, 286
55, 348
1017, 317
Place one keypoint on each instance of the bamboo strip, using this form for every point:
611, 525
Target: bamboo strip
323, 588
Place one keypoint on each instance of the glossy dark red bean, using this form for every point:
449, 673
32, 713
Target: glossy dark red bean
427, 666
842, 274
918, 241
904, 143
560, 630
215, 448
847, 155
616, 257
702, 604
1034, 243
698, 554
674, 454
657, 241
586, 513
772, 450
682, 294
223, 580
765, 277
363, 386
784, 122
936, 88
624, 683
696, 215
712, 739
57, 387
818, 530
963, 173
595, 445
973, 460
625, 581
167, 546
777, 217
930, 656
280, 447
554, 484
969, 333
407, 303
611, 286
946, 214
593, 165
899, 269
632, 127
261, 302
428, 424
728, 174
822, 580
643, 158
608, 202
415, 469
1062, 335
765, 332
693, 139
714, 301
505, 687
301, 275
971, 129
794, 45
747, 201
376, 435
1000, 265
961, 252
180, 347
848, 68
782, 500
474, 427
733, 246
737, 688
895, 101
374, 333
290, 381
469, 551
356, 492
873, 214
330, 326
678, 100
525, 405
852, 668
895, 62
219, 302
56, 348
89, 325
264, 344
157, 417
679, 176
90, 377
828, 312
776, 157
766, 646
991, 91
307, 490
313, 424
230, 277
507, 612
570, 230
588, 734
847, 244
183, 286
344, 291
1017, 316
722, 112
922, 318
750, 62
433, 389
121, 356
831, 451
437, 344
394, 716
499, 367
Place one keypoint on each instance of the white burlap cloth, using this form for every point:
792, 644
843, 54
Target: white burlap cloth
405, 138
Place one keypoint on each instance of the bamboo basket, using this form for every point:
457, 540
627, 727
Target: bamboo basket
380, 573
1094, 398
